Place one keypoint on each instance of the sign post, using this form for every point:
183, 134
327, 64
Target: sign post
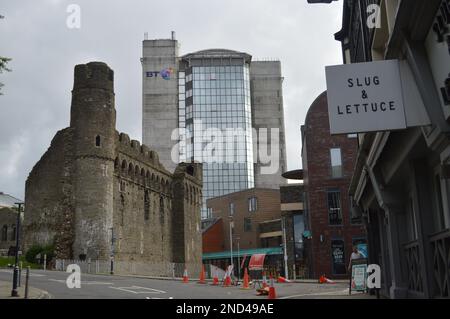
358, 279
365, 97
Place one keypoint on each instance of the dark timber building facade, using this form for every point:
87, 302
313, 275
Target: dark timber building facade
401, 185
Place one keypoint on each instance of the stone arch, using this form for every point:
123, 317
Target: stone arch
136, 171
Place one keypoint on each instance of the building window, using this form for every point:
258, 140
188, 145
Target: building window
209, 212
336, 162
13, 233
161, 209
97, 141
338, 257
231, 209
146, 206
334, 207
252, 204
247, 224
122, 186
4, 233
440, 208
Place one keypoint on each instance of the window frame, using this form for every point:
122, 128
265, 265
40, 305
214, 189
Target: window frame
328, 193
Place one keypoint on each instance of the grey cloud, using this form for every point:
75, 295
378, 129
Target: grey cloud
44, 51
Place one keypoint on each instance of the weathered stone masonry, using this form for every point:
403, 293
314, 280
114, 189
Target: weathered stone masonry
94, 182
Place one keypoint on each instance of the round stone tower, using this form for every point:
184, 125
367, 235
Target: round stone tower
93, 120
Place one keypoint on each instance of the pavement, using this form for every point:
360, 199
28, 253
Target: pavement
52, 284
33, 293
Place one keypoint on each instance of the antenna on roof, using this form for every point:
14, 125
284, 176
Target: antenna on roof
146, 36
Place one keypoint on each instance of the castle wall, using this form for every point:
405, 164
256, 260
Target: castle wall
48, 198
142, 204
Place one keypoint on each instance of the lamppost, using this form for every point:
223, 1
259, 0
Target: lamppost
112, 251
239, 258
231, 240
14, 292
283, 223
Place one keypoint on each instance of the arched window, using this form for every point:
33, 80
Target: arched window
146, 205
4, 233
161, 209
97, 141
13, 233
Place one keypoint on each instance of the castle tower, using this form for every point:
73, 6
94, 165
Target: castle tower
93, 120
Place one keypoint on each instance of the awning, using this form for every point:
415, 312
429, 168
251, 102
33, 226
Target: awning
243, 252
256, 262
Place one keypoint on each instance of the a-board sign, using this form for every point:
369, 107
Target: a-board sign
365, 97
358, 281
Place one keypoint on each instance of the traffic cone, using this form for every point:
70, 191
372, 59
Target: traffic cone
215, 279
322, 279
245, 284
282, 280
227, 282
329, 281
185, 276
264, 282
202, 276
272, 294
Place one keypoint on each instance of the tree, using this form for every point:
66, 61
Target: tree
3, 67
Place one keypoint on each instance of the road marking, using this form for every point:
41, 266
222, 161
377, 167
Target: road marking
337, 293
139, 290
83, 282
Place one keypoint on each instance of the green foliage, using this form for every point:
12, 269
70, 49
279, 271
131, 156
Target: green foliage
3, 68
31, 254
9, 261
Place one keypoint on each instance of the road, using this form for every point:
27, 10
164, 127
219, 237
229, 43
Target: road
125, 287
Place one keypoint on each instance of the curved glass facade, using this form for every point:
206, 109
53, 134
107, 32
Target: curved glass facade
216, 110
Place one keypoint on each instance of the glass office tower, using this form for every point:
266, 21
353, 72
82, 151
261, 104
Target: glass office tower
214, 96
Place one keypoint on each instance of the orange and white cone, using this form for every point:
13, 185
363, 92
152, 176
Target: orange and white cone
227, 282
245, 284
329, 281
282, 280
272, 293
215, 279
185, 276
202, 276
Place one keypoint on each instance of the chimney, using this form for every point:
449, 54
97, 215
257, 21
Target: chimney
173, 35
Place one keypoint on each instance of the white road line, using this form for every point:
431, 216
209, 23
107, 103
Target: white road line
337, 293
135, 290
83, 282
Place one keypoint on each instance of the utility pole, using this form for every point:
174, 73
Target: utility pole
231, 240
283, 223
14, 292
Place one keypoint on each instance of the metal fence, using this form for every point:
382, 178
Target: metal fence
163, 269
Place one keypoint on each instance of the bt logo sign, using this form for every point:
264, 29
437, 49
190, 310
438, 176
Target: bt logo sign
166, 73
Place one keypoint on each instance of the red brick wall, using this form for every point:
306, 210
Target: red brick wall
317, 143
212, 238
268, 209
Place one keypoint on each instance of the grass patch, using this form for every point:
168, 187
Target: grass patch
5, 261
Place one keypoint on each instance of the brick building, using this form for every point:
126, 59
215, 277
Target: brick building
256, 218
328, 164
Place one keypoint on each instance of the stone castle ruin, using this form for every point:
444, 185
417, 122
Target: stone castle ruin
95, 193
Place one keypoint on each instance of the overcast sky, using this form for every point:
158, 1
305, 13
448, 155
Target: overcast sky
36, 100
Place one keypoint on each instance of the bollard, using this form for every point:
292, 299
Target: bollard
26, 282
20, 274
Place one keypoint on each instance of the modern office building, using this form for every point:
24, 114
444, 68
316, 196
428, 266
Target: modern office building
225, 106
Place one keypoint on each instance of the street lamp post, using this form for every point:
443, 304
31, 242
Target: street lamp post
112, 251
239, 259
283, 223
231, 241
14, 292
